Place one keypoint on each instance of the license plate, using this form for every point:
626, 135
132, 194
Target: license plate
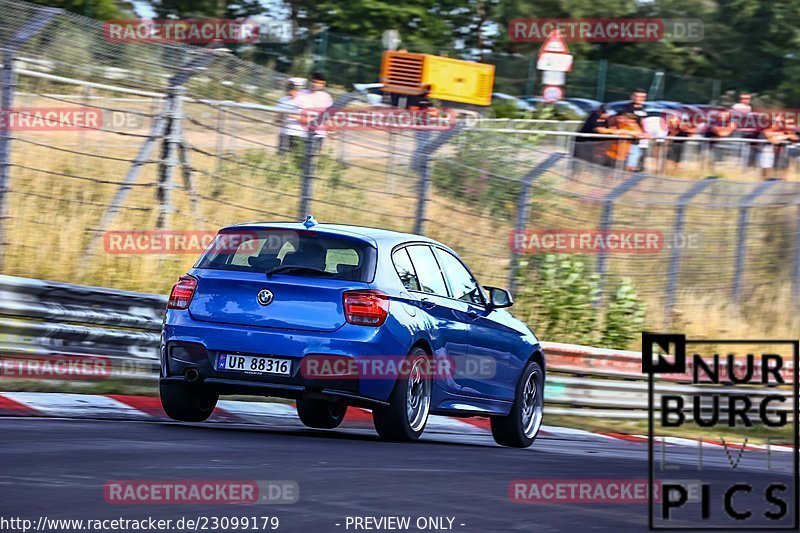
254, 364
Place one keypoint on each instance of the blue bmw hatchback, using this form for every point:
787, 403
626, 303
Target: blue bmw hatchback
335, 315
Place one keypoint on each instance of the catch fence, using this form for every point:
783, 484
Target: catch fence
189, 140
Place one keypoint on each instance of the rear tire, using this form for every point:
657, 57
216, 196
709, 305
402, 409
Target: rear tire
404, 419
519, 428
187, 402
321, 414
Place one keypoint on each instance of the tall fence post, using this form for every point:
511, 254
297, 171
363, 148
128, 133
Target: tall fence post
602, 73
523, 212
41, 18
169, 157
427, 144
606, 221
677, 251
308, 168
193, 66
530, 85
741, 236
796, 270
219, 150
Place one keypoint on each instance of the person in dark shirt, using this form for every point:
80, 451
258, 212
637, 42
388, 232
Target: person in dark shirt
720, 126
636, 106
588, 148
677, 126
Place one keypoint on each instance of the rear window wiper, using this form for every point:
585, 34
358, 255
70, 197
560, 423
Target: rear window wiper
286, 268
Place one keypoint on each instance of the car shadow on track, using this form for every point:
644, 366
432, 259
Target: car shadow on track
360, 435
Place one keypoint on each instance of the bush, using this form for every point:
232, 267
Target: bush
558, 295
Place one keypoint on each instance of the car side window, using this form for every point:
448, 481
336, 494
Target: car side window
461, 282
402, 263
428, 273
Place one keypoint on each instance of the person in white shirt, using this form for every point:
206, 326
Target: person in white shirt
291, 130
316, 101
744, 105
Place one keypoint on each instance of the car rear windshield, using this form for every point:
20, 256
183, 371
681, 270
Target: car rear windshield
310, 253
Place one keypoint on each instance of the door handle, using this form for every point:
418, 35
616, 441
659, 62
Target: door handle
427, 304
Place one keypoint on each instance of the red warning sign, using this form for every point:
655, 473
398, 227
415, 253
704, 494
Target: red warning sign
554, 44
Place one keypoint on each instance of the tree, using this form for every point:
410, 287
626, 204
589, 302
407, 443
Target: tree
98, 9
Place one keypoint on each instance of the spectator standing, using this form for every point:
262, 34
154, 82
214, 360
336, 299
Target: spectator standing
592, 149
291, 130
720, 126
782, 137
635, 110
628, 125
744, 104
313, 105
677, 126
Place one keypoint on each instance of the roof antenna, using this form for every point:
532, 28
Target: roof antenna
310, 222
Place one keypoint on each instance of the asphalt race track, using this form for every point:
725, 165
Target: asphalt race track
58, 468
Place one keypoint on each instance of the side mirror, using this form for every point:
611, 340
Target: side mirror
499, 298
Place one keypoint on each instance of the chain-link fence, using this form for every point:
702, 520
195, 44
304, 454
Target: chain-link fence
189, 140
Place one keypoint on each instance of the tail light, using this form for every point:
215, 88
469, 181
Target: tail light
366, 308
182, 292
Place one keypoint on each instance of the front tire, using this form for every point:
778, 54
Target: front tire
321, 414
404, 419
519, 428
187, 402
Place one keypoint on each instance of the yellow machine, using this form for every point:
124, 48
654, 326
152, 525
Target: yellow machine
450, 79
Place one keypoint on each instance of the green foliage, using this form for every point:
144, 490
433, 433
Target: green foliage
468, 176
507, 109
624, 317
97, 9
558, 295
562, 298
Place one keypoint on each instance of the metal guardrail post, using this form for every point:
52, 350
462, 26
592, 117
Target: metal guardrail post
40, 19
607, 219
427, 144
677, 251
741, 235
523, 211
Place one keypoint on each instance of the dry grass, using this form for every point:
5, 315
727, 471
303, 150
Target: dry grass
53, 217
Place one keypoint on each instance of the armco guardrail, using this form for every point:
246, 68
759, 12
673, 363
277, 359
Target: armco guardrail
45, 318
50, 318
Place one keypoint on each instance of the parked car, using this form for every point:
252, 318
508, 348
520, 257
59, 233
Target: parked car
563, 109
521, 105
371, 93
267, 300
586, 104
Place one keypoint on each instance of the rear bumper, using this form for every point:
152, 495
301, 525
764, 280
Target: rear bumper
278, 390
197, 345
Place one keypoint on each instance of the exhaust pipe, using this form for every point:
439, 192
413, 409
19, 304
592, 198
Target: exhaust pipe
192, 375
